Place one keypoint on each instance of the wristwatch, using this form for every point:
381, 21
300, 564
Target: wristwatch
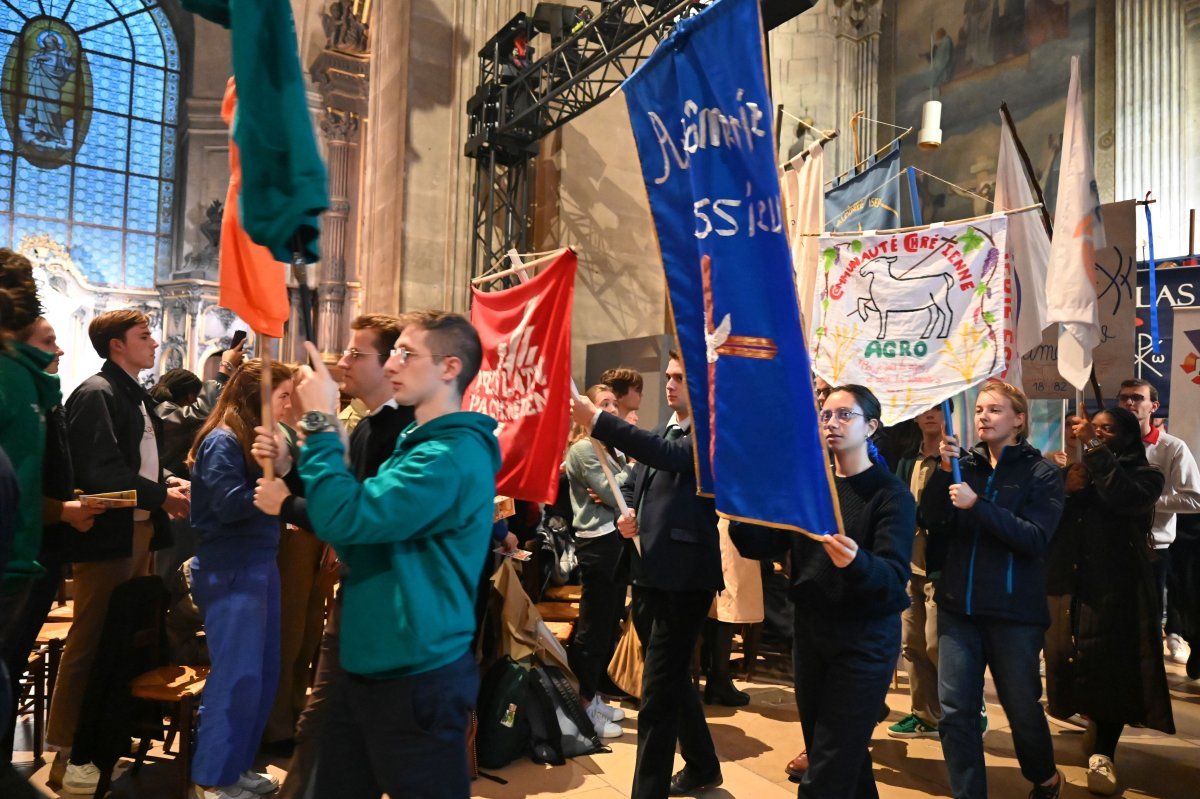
317, 422
1095, 443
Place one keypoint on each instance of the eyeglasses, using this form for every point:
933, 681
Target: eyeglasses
843, 415
354, 354
1131, 398
403, 353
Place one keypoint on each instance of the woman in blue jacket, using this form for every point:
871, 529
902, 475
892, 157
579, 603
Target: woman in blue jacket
235, 582
988, 537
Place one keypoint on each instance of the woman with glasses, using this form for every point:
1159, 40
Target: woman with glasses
1103, 649
988, 537
849, 590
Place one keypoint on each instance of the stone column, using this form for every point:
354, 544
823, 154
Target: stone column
1150, 110
341, 130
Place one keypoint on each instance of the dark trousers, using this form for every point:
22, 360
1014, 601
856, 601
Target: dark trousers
23, 638
406, 737
967, 644
843, 668
669, 624
600, 607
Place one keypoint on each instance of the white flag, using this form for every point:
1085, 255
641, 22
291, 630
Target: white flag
804, 205
1028, 248
1078, 233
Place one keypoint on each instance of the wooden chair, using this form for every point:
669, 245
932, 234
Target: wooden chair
32, 698
179, 687
53, 638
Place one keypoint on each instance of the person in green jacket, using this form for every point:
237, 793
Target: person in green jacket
27, 393
413, 539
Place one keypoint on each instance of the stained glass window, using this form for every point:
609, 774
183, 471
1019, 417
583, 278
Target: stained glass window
89, 94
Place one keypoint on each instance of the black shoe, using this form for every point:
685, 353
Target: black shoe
1048, 791
724, 692
1193, 664
685, 782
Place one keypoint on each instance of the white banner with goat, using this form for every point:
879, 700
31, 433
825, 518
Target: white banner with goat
916, 316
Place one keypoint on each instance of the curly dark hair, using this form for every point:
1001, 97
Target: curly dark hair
19, 304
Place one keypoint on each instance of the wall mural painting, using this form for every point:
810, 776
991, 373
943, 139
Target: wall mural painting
973, 54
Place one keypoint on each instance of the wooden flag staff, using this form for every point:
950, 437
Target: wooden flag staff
267, 415
608, 475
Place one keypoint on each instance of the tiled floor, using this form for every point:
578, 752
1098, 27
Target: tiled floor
755, 742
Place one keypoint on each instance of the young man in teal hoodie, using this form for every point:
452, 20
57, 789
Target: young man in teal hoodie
413, 538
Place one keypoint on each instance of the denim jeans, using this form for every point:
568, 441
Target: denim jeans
966, 644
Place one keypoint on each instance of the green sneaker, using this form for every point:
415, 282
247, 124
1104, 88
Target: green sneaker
983, 720
912, 727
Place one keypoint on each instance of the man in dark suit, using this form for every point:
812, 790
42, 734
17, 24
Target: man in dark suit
675, 569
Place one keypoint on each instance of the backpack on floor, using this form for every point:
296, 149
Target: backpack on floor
576, 733
503, 706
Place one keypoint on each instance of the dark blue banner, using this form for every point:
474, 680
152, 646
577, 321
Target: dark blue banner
1178, 287
868, 199
701, 119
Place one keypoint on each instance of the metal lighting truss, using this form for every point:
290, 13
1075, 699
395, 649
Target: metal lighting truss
517, 102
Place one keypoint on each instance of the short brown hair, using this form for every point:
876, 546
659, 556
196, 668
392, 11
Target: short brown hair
673, 355
622, 380
1139, 383
113, 324
387, 329
1020, 403
451, 334
19, 305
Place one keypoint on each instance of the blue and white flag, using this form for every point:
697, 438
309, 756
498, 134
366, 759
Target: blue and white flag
866, 200
700, 115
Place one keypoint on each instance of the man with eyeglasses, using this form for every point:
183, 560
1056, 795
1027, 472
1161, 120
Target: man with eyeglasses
1180, 495
372, 441
413, 539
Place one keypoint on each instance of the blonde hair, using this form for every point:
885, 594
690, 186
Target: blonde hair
1016, 397
578, 433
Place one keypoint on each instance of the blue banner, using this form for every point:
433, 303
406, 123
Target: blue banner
868, 199
1178, 287
700, 114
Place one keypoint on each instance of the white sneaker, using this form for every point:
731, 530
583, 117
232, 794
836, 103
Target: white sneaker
81, 779
257, 783
1177, 648
610, 712
224, 792
604, 727
1102, 775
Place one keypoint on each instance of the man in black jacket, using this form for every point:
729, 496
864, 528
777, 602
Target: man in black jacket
114, 437
676, 572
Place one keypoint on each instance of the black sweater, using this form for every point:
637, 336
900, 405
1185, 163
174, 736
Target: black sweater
372, 442
880, 515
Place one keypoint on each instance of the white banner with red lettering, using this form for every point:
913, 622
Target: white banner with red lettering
525, 379
915, 316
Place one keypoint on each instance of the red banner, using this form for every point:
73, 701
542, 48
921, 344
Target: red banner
525, 378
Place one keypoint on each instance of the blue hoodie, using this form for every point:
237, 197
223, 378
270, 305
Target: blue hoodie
990, 560
413, 539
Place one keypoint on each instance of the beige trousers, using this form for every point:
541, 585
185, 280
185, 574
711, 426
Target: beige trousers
304, 589
919, 642
94, 584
